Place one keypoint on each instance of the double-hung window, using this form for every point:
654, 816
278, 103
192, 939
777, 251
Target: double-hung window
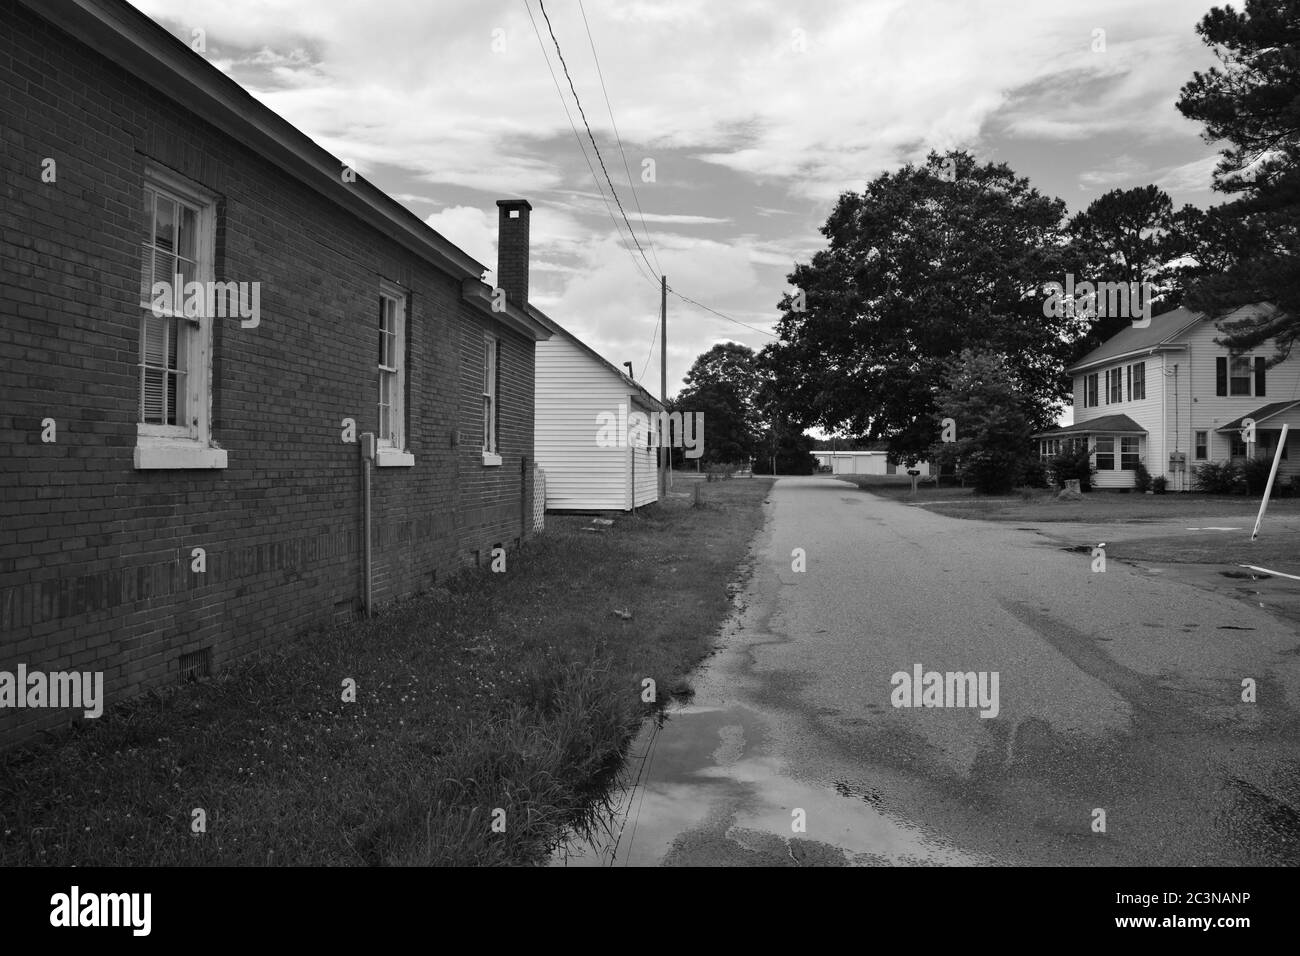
1202, 445
1090, 391
1139, 388
391, 433
174, 356
1128, 453
1105, 452
1114, 386
1240, 375
491, 359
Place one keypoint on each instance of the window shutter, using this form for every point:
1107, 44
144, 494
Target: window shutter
1259, 376
1221, 375
1128, 380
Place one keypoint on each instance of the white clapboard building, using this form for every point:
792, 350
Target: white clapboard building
588, 433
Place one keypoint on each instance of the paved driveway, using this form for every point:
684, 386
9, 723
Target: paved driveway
1118, 692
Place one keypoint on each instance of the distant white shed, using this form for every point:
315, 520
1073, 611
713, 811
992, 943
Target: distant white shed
590, 431
862, 463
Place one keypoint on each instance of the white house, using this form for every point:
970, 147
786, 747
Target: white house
863, 463
1169, 397
589, 432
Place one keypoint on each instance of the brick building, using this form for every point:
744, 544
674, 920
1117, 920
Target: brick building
136, 432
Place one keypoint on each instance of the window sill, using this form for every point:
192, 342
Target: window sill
163, 453
392, 458
491, 459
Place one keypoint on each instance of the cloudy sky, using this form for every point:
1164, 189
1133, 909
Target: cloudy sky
753, 115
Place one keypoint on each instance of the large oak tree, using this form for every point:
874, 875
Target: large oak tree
926, 262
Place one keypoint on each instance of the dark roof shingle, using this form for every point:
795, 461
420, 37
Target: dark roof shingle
1107, 423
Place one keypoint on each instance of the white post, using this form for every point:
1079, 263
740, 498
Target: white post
1277, 458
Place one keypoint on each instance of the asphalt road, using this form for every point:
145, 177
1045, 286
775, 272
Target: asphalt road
1118, 691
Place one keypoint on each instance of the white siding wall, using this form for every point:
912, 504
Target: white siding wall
572, 390
1148, 413
1182, 402
1210, 411
644, 463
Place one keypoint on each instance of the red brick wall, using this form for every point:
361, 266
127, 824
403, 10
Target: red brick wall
95, 555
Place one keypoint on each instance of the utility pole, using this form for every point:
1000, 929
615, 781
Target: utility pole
665, 454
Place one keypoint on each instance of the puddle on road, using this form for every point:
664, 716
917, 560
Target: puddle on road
700, 788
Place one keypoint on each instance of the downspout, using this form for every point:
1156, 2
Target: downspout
367, 455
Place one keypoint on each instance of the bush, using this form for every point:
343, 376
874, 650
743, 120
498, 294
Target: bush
1158, 484
991, 471
1142, 478
1219, 478
1255, 472
1073, 463
1035, 475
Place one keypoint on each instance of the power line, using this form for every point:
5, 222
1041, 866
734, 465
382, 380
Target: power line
653, 336
721, 315
618, 138
583, 149
583, 113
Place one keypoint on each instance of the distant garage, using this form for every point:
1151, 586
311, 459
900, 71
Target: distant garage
862, 463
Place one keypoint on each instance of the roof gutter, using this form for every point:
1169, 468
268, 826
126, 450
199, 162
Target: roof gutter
145, 48
1133, 353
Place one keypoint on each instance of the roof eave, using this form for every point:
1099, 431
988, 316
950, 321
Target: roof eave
478, 295
554, 326
146, 49
1133, 353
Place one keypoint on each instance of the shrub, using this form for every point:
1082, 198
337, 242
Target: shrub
1158, 484
1035, 475
1142, 478
1255, 471
1218, 478
991, 471
1073, 462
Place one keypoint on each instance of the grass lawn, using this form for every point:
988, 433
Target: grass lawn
1278, 546
1042, 505
516, 691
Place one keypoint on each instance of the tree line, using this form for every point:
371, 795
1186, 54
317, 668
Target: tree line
928, 300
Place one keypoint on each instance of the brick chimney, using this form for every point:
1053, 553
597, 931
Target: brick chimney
512, 249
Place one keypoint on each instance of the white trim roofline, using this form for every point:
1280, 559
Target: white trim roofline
1167, 344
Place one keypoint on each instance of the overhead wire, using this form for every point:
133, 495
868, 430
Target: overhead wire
581, 147
619, 139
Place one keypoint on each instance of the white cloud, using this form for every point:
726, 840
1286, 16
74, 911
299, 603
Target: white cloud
414, 94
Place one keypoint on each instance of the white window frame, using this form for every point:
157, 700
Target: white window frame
1249, 362
1136, 453
391, 449
1115, 386
189, 445
491, 392
1098, 451
1139, 376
